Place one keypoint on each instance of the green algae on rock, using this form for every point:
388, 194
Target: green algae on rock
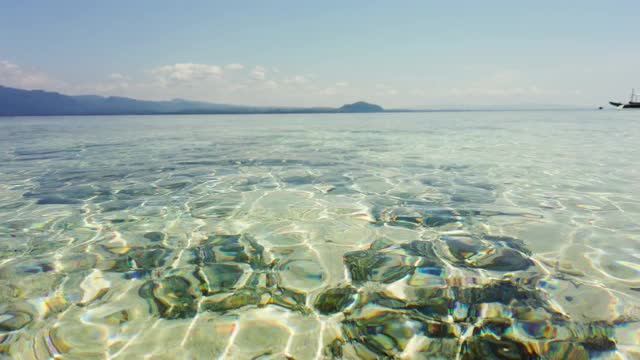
171, 297
335, 300
232, 301
139, 261
14, 320
468, 251
219, 277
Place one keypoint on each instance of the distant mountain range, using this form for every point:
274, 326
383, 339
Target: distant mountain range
19, 102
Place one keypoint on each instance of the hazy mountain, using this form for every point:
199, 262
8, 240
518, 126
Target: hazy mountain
18, 102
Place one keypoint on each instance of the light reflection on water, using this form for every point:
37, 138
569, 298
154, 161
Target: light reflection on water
470, 235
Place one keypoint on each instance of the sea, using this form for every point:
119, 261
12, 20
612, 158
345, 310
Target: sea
438, 235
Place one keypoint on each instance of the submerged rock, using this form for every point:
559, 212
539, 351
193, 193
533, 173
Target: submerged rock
154, 236
414, 214
143, 259
515, 317
288, 299
235, 300
14, 320
509, 242
462, 247
171, 297
229, 248
360, 263
501, 291
493, 347
563, 349
370, 265
423, 249
437, 218
334, 349
56, 200
388, 333
475, 253
218, 277
501, 259
292, 300
492, 340
387, 263
262, 279
599, 337
335, 300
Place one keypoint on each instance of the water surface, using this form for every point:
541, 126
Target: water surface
434, 235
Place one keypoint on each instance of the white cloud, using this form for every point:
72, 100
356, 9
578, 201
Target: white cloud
185, 72
383, 89
115, 83
118, 76
259, 73
14, 75
328, 91
234, 66
7, 67
271, 84
228, 83
298, 79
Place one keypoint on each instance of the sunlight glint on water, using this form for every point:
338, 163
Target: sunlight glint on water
504, 234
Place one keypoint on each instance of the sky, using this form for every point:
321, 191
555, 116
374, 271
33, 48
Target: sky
403, 53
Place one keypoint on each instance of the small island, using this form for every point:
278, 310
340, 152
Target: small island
360, 107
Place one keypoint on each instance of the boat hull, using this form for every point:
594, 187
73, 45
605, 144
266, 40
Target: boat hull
631, 105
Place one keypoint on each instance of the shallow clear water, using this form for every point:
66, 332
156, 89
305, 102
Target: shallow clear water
469, 235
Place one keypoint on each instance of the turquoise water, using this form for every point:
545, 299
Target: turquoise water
472, 235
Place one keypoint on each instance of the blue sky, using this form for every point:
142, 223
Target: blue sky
396, 53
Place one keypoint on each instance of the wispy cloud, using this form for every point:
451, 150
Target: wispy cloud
14, 75
118, 76
114, 84
271, 84
298, 79
383, 89
231, 83
329, 91
259, 72
184, 72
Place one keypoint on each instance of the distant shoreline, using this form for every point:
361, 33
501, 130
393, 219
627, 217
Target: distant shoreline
19, 102
309, 112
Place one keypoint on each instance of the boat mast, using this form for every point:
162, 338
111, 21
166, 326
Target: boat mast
633, 95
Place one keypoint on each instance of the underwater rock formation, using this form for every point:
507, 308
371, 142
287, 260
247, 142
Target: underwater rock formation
401, 299
335, 300
170, 297
505, 318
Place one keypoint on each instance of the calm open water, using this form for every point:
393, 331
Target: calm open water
480, 235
